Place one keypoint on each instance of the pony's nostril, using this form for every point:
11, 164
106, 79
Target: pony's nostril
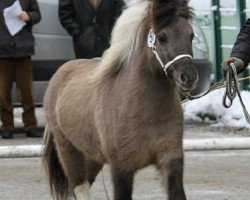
184, 78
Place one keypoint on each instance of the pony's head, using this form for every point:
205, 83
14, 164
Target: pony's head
171, 38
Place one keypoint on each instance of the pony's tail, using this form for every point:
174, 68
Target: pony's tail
59, 186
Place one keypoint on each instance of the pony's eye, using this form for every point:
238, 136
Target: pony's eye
162, 38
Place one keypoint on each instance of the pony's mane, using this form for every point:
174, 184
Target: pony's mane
123, 39
125, 33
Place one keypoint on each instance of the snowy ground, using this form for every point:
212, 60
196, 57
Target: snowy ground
210, 109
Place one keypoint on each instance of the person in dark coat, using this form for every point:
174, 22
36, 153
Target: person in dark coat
15, 65
90, 23
240, 54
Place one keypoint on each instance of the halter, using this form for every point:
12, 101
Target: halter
151, 44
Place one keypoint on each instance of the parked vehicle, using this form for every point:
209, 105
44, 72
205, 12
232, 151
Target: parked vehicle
201, 59
54, 47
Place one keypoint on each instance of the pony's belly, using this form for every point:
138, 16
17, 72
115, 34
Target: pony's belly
90, 149
144, 146
129, 155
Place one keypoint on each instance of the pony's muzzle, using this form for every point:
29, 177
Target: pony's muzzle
188, 79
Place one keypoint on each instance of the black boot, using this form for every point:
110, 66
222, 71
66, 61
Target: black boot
6, 134
34, 133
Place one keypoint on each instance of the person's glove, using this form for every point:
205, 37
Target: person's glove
239, 64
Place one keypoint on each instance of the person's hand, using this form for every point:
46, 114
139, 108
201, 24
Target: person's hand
239, 64
24, 16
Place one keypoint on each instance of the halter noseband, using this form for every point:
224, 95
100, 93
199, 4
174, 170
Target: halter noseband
151, 44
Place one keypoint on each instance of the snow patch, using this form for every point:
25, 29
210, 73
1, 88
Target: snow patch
210, 109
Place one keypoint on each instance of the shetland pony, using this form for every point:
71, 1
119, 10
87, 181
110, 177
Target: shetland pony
123, 109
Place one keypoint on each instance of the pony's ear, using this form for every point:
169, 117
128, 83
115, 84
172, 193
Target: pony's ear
163, 3
159, 4
165, 12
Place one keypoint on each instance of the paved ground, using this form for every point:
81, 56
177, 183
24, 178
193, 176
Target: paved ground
214, 175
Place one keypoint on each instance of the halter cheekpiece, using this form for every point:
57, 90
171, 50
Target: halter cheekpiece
151, 44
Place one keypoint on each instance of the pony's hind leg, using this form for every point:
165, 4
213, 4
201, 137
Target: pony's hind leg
172, 173
73, 162
92, 168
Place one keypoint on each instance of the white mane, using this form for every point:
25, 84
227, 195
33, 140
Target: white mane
123, 39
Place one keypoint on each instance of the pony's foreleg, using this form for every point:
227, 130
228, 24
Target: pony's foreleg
172, 172
123, 182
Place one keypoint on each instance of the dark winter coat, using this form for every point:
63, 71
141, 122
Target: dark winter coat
22, 43
89, 27
241, 47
